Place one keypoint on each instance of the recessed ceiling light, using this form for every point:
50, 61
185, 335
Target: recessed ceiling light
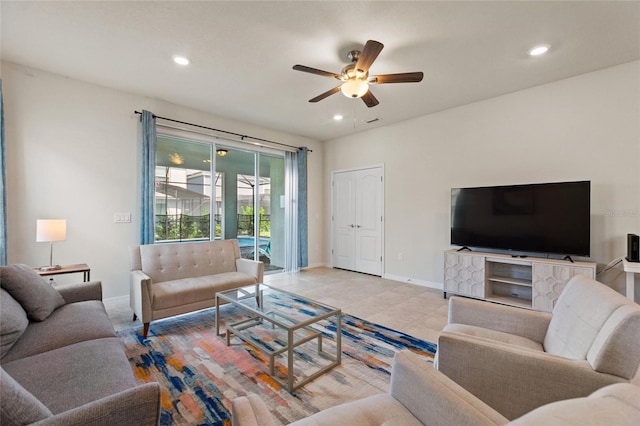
539, 50
338, 117
181, 60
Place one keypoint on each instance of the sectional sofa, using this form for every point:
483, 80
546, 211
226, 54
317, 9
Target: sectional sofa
62, 362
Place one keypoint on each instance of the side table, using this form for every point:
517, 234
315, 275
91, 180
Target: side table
69, 269
631, 268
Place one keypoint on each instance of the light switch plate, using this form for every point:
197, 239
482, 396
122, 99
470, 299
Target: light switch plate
122, 217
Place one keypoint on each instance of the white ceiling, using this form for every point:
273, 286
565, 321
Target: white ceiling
242, 52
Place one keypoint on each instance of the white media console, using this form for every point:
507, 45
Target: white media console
527, 282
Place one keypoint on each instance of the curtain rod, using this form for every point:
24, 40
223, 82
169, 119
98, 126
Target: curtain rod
242, 137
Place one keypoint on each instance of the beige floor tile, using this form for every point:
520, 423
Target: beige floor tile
409, 308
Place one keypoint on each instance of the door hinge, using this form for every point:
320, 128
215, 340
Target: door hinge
380, 258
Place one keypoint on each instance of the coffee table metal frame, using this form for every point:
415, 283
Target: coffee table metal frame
251, 301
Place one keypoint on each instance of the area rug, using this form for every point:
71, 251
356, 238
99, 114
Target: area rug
200, 375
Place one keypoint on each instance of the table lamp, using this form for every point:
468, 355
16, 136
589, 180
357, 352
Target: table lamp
50, 230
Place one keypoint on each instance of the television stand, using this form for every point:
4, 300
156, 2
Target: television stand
531, 283
567, 257
464, 248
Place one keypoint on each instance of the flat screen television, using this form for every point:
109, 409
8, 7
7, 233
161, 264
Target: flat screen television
551, 218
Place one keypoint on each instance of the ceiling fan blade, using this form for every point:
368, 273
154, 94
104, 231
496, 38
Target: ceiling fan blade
316, 71
369, 54
369, 99
405, 77
325, 94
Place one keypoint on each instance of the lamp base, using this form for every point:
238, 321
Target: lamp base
50, 268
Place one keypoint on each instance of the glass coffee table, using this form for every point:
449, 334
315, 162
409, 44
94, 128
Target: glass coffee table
283, 325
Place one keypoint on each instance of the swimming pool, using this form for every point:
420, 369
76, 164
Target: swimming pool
247, 241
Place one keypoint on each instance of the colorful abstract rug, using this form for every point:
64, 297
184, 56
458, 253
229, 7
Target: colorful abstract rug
200, 375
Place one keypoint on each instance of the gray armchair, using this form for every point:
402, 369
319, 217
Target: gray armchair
421, 395
516, 360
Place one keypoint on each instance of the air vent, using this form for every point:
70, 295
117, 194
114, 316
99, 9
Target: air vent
372, 120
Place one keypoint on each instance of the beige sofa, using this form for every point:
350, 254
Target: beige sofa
62, 362
516, 360
177, 278
421, 395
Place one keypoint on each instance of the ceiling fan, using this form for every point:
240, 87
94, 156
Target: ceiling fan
355, 76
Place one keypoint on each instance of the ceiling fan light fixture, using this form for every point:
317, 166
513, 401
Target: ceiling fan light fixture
354, 88
176, 158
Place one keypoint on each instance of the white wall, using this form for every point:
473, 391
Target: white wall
72, 153
582, 128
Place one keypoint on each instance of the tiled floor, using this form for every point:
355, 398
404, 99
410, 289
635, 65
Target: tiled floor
409, 308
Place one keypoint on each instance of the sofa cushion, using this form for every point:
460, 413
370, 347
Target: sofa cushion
69, 377
19, 407
617, 404
380, 409
190, 290
580, 312
13, 322
69, 324
616, 349
169, 262
37, 297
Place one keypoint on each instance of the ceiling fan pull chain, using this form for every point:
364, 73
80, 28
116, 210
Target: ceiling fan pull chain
354, 113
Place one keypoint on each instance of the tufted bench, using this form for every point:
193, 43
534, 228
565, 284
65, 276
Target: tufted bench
177, 278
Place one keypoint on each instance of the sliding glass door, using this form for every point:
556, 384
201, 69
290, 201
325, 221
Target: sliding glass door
206, 192
250, 203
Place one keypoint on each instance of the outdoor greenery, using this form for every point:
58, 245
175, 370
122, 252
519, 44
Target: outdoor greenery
245, 222
182, 227
185, 227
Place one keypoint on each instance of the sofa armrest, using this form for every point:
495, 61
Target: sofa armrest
515, 380
136, 406
433, 398
252, 267
80, 292
140, 295
250, 410
508, 319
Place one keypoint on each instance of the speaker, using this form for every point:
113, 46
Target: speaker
633, 248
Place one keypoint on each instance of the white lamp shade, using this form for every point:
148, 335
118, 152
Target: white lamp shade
48, 230
354, 88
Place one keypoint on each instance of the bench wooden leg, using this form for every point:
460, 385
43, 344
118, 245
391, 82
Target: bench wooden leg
145, 330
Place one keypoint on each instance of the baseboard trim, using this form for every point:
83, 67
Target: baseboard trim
316, 265
409, 280
118, 300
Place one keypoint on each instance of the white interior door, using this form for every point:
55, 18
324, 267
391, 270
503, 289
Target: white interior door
368, 235
344, 221
358, 220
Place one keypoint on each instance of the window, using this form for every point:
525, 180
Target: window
243, 198
182, 190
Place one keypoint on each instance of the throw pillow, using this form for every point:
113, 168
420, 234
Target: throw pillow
13, 320
37, 297
19, 406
